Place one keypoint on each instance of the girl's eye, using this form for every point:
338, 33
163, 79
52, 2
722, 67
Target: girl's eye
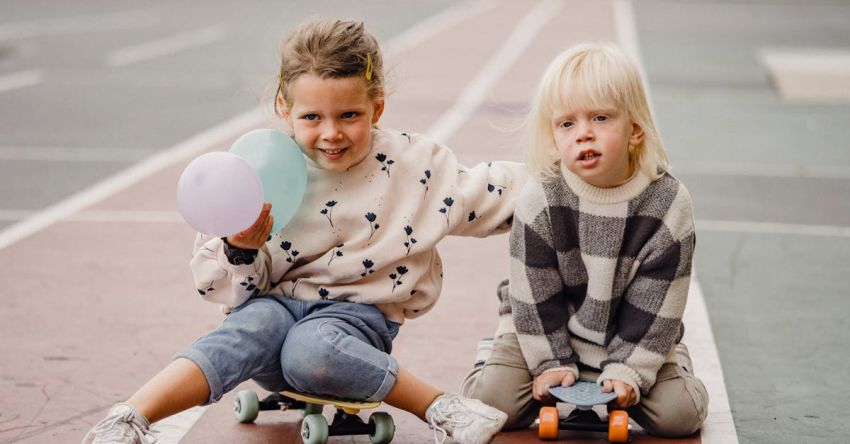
566, 124
349, 115
310, 117
600, 118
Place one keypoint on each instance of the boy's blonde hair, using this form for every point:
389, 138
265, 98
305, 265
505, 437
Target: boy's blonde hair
590, 75
330, 49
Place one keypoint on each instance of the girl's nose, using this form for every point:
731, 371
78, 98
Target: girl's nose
330, 130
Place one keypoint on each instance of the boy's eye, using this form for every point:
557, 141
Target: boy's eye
600, 118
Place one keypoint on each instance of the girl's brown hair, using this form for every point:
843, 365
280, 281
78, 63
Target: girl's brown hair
331, 49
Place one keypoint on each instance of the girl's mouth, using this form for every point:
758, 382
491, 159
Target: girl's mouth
332, 153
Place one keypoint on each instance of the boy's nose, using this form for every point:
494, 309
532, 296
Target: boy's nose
584, 132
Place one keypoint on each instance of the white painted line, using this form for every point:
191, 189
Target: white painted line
476, 91
763, 170
21, 79
69, 154
772, 228
627, 38
426, 29
78, 24
62, 210
167, 46
821, 74
174, 428
719, 427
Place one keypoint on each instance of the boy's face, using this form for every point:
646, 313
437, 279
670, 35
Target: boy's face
593, 142
332, 119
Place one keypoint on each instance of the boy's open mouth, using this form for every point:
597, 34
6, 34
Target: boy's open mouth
588, 155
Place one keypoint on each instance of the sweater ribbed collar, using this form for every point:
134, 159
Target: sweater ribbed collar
621, 193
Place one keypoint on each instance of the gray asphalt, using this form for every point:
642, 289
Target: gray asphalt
778, 303
134, 110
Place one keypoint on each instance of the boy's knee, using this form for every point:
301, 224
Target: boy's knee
681, 415
496, 393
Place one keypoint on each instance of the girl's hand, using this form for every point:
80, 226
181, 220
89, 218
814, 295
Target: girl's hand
256, 235
542, 382
625, 393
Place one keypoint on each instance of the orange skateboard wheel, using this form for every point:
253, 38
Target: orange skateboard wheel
618, 426
548, 428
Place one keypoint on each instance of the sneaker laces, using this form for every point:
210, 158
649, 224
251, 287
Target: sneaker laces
109, 428
445, 415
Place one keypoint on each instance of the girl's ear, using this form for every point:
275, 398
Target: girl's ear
637, 135
379, 109
284, 109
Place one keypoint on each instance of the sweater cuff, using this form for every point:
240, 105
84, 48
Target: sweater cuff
558, 364
234, 260
621, 372
572, 368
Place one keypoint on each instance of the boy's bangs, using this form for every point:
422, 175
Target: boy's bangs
583, 86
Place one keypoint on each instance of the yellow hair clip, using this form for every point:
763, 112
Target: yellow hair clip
368, 66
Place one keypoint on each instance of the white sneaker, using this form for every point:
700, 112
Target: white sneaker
468, 421
122, 425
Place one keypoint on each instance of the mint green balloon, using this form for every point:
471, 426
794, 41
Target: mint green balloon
280, 164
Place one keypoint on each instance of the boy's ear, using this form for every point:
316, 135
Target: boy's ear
637, 134
379, 109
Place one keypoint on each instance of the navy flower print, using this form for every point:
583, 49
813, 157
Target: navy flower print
290, 255
323, 293
248, 283
472, 216
498, 188
385, 162
336, 252
371, 217
408, 230
328, 211
209, 288
448, 208
425, 180
367, 264
396, 278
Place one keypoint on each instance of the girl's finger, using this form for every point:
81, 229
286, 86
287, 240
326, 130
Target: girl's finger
606, 386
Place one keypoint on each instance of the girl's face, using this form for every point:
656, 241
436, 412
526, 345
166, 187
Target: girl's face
332, 119
593, 142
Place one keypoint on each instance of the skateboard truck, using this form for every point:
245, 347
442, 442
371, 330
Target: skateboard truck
315, 428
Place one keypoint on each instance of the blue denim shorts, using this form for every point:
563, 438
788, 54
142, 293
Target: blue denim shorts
329, 348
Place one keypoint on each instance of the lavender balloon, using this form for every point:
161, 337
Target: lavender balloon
219, 194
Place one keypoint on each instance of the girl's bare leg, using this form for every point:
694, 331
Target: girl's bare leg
179, 386
411, 394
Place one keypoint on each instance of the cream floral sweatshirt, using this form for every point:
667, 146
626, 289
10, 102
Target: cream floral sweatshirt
368, 234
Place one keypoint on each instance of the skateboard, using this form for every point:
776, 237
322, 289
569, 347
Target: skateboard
315, 428
584, 395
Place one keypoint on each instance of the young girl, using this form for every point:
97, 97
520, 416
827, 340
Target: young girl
601, 250
315, 307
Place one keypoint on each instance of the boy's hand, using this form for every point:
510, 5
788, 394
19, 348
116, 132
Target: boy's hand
625, 393
256, 235
542, 383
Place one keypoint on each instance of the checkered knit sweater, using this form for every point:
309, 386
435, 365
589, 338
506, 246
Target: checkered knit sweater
599, 276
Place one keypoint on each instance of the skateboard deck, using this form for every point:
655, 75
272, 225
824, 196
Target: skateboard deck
584, 395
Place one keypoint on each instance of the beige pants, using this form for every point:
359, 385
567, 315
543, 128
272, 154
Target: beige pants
674, 407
